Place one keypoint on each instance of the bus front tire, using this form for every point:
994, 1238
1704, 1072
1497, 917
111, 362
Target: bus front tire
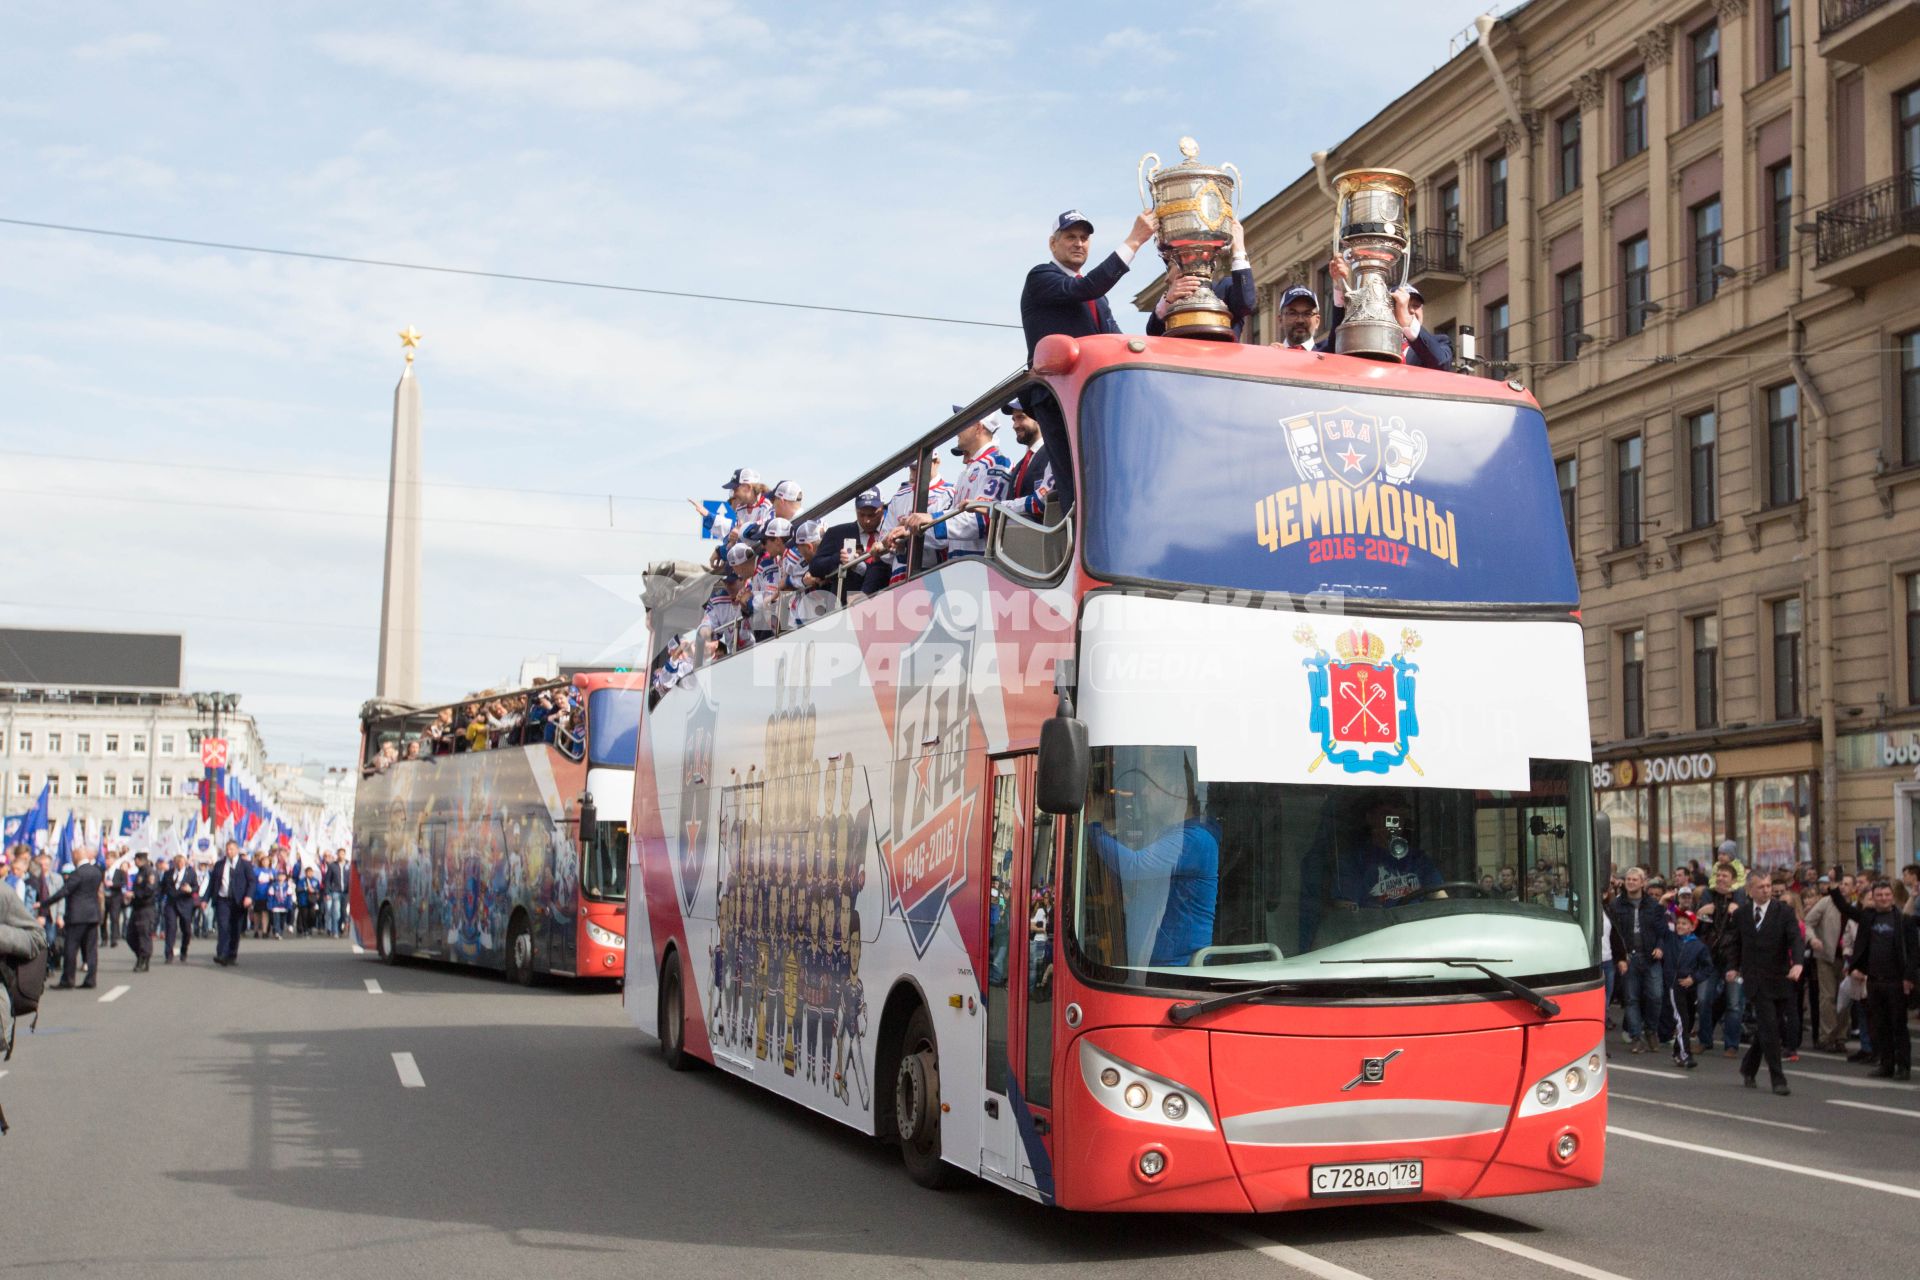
916, 1104
672, 1021
383, 939
519, 959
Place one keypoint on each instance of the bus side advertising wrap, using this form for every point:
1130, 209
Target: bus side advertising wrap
1237, 483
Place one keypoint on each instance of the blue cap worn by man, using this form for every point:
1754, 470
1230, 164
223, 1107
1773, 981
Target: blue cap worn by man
1300, 321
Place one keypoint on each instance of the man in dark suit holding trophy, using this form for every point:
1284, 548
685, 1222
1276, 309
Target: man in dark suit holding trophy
1768, 958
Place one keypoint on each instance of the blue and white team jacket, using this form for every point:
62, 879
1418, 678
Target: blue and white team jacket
988, 478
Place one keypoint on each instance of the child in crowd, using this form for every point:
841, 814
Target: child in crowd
1689, 964
280, 900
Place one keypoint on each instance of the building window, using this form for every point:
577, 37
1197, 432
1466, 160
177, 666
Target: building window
1497, 314
1786, 658
83, 743
1779, 36
1450, 208
1909, 397
53, 784
25, 742
1912, 582
139, 744
1705, 218
1627, 479
23, 782
1633, 114
1567, 471
110, 785
1567, 134
166, 744
1704, 73
137, 786
1780, 215
1702, 442
1906, 105
1783, 444
1496, 191
1569, 286
53, 743
80, 784
1706, 671
1633, 285
166, 786
112, 744
1633, 684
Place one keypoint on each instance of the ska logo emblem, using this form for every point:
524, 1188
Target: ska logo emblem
1362, 701
696, 772
1354, 448
932, 813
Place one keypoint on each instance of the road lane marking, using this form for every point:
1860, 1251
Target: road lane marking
1675, 1074
359, 950
1855, 1081
114, 994
1868, 1106
1707, 1111
1911, 1193
373, 986
409, 1073
1288, 1254
1518, 1250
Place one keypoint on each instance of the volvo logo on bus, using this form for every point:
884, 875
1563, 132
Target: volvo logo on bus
1372, 1071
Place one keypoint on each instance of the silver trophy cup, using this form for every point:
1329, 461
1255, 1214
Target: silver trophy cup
1194, 205
1372, 234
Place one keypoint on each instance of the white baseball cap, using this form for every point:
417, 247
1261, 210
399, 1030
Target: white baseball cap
787, 491
777, 528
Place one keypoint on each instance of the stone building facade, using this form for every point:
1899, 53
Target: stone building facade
1693, 229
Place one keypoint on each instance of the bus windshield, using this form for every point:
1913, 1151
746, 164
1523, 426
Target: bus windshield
1271, 486
613, 726
1184, 883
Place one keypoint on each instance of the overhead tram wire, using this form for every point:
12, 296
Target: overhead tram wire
481, 274
304, 624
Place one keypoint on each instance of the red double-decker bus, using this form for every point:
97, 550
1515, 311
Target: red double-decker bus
509, 853
1224, 846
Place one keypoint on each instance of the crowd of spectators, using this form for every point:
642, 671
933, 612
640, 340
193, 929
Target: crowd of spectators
1673, 945
554, 714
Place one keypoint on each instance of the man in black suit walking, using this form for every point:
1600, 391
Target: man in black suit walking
1768, 958
230, 887
85, 893
1059, 298
179, 892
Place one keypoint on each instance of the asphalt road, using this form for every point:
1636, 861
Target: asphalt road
215, 1123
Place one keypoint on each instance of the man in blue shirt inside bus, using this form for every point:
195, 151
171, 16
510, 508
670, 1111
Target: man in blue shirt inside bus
1186, 856
1387, 871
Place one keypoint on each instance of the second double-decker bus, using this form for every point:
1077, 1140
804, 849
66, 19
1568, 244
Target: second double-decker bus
509, 853
1226, 845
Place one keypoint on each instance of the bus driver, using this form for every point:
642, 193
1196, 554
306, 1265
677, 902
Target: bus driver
1388, 870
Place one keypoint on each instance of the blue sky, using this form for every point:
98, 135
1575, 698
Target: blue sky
895, 156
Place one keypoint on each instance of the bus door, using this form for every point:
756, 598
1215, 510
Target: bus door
428, 879
1019, 986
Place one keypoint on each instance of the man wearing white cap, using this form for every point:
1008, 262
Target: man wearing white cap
895, 527
769, 578
747, 504
786, 498
987, 479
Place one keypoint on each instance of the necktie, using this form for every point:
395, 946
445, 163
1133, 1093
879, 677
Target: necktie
1759, 917
1093, 307
1021, 474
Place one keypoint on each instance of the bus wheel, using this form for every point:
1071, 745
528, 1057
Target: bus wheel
916, 1104
672, 1025
383, 938
519, 967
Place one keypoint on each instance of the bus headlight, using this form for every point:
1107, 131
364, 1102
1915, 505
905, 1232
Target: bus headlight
1568, 1086
1137, 1095
605, 937
1130, 1092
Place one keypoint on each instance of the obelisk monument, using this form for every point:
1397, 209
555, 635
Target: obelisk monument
399, 678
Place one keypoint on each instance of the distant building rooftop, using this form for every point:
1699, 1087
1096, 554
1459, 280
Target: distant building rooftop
89, 659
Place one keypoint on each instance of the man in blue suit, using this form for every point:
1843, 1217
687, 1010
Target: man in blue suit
1424, 348
1236, 290
230, 888
1060, 298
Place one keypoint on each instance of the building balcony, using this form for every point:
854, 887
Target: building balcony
1859, 31
1869, 235
1436, 260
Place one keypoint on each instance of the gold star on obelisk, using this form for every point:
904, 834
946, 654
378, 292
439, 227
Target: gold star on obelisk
409, 338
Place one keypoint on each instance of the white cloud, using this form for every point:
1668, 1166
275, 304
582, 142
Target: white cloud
1131, 44
653, 26
596, 83
116, 48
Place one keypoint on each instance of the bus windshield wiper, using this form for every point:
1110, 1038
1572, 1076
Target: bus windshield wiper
1182, 1013
1547, 1007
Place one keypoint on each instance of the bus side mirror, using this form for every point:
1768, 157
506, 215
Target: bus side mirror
589, 819
1066, 762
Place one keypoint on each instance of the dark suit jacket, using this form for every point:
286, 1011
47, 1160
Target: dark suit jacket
1055, 300
1428, 351
827, 559
1236, 291
1769, 949
182, 888
239, 885
82, 892
1029, 472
